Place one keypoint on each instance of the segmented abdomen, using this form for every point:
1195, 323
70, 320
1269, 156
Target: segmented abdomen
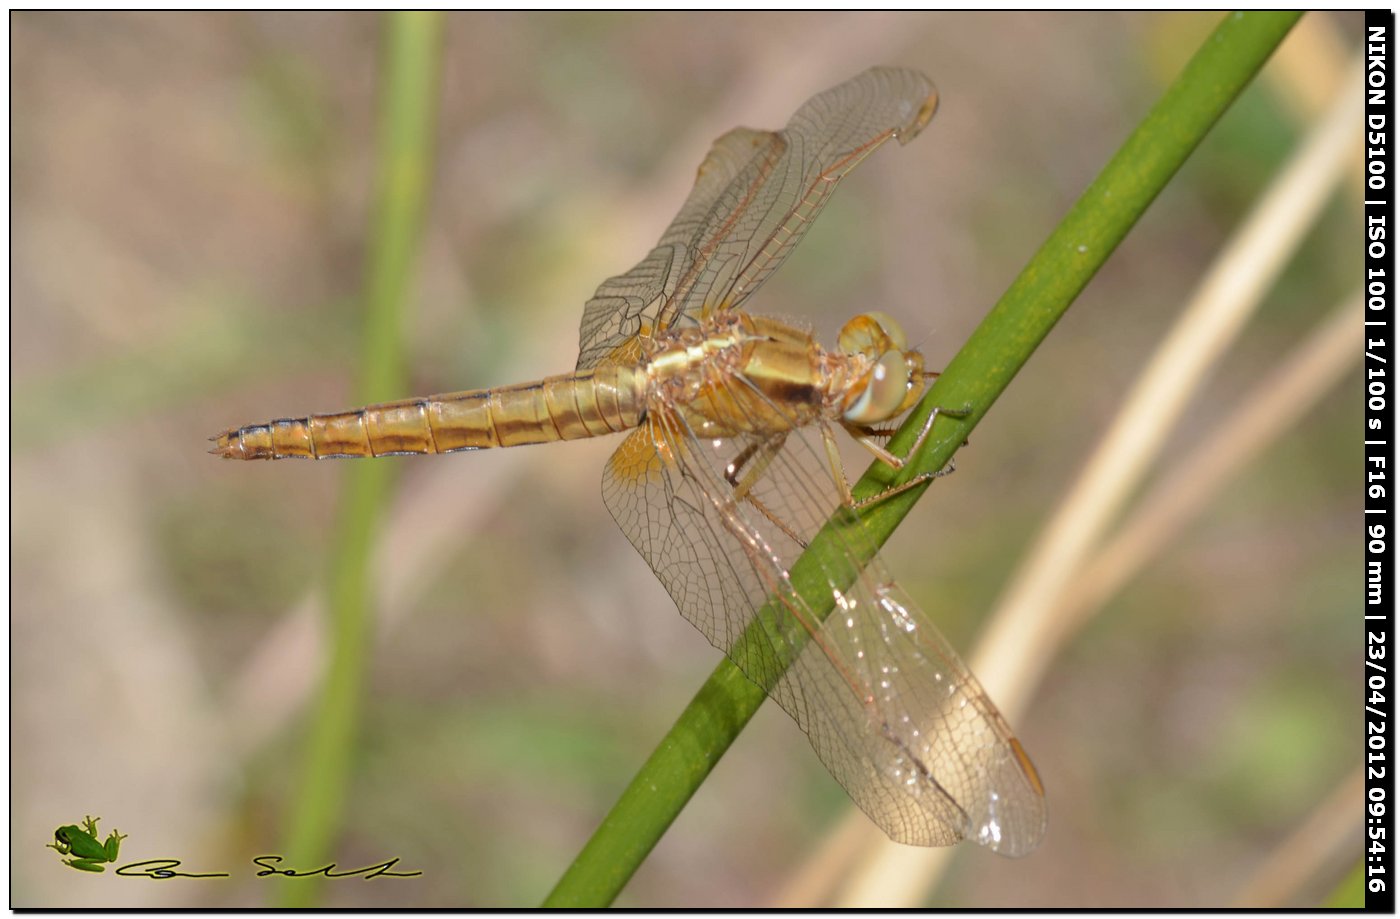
584, 404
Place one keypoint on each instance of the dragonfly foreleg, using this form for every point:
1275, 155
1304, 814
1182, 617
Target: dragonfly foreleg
744, 471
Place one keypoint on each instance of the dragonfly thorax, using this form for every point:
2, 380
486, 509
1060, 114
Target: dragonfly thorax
742, 373
738, 373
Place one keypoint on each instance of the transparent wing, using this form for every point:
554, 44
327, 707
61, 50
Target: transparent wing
888, 706
754, 195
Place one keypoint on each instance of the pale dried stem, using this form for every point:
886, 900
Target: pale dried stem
1228, 295
1272, 409
1328, 835
1023, 634
815, 882
278, 678
1307, 68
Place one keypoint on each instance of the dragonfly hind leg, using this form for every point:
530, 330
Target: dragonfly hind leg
746, 469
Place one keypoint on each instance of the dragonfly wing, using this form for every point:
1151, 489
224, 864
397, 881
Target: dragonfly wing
890, 709
627, 305
755, 195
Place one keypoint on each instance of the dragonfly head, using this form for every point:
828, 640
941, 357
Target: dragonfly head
894, 379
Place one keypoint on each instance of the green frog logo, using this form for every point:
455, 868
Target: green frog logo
81, 841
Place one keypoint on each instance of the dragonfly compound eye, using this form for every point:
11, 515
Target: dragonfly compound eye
886, 392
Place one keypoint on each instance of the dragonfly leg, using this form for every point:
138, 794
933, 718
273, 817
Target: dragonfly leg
744, 471
915, 482
838, 468
866, 437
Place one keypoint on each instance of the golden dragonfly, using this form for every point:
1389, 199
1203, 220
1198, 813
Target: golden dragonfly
732, 467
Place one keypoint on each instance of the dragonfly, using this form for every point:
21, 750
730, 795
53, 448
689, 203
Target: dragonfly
732, 468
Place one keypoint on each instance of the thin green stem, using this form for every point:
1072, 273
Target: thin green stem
408, 106
1000, 346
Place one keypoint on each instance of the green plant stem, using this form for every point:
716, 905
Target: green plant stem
1000, 346
408, 105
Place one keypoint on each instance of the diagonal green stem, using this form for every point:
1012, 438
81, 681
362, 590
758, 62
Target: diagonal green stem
408, 106
985, 366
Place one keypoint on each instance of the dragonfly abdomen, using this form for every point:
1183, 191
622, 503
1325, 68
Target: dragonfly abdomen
587, 403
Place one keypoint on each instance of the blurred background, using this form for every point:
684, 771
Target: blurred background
190, 207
